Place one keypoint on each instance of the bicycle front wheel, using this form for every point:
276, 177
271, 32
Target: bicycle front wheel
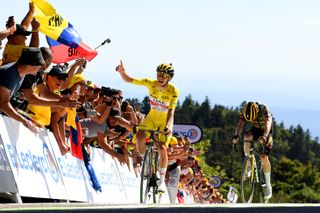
145, 177
247, 179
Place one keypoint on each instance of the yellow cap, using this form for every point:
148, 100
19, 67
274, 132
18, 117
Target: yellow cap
76, 79
173, 140
91, 84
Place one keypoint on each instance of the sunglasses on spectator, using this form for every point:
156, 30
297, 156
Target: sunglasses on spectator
163, 74
117, 98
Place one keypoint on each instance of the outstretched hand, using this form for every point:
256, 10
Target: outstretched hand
120, 67
30, 126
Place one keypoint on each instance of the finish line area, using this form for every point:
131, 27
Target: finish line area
217, 208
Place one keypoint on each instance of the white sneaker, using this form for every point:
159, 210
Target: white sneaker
267, 192
162, 187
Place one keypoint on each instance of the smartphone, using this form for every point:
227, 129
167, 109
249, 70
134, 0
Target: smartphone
10, 21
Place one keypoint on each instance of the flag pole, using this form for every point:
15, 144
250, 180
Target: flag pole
108, 40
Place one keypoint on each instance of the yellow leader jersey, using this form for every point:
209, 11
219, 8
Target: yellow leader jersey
160, 100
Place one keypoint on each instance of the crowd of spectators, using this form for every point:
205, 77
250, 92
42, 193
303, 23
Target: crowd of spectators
42, 95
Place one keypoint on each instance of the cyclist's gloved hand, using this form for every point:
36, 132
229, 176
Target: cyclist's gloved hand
235, 139
262, 139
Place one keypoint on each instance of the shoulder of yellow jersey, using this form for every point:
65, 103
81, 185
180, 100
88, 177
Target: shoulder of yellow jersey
173, 89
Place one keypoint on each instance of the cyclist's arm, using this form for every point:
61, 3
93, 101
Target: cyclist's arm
170, 116
124, 75
268, 124
239, 127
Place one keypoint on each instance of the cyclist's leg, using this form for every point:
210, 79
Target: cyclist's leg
265, 154
147, 124
265, 159
267, 166
247, 138
163, 161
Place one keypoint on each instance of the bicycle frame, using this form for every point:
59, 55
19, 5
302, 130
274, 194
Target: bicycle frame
253, 178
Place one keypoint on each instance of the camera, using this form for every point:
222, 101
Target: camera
124, 106
10, 22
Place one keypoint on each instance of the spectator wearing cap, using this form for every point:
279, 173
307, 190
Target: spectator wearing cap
58, 80
42, 114
34, 91
11, 77
16, 41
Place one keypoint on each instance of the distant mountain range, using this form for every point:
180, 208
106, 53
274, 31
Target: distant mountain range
308, 119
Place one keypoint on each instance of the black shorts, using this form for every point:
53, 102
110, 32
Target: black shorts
257, 133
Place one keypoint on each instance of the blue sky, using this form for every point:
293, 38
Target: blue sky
230, 51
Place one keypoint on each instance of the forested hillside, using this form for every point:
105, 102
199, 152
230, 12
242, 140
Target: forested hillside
295, 157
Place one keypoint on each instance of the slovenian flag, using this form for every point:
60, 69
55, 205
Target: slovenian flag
62, 38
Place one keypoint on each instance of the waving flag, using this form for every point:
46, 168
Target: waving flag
76, 140
62, 38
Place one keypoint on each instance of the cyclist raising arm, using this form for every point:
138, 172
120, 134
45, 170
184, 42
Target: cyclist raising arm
259, 116
163, 100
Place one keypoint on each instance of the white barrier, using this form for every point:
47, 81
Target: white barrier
32, 166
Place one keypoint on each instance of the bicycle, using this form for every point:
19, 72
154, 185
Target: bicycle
149, 178
252, 176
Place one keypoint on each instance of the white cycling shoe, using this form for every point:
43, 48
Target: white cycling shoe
162, 187
267, 192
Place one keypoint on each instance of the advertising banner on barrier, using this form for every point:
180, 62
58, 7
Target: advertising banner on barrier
108, 175
76, 179
7, 183
130, 182
73, 172
32, 160
32, 165
192, 131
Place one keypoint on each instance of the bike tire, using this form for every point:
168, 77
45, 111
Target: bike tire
247, 181
145, 177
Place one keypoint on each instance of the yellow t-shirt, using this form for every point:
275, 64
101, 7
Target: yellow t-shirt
11, 53
160, 100
41, 114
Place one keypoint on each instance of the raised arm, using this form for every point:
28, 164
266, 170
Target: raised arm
124, 75
29, 16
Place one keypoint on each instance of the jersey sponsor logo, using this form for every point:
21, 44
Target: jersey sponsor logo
158, 105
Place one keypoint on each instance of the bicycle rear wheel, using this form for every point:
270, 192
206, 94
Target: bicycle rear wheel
247, 179
145, 177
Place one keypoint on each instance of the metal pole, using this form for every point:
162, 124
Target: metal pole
108, 40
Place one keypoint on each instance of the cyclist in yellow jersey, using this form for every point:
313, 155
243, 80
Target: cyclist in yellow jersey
163, 100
